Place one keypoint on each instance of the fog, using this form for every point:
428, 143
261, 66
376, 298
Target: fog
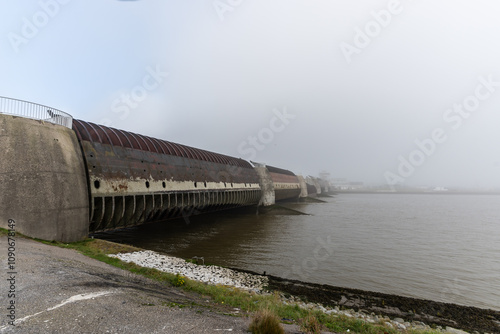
383, 92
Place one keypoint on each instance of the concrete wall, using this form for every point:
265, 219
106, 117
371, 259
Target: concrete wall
314, 182
318, 186
324, 186
303, 186
266, 186
43, 185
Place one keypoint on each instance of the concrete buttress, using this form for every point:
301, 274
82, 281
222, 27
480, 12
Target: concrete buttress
43, 183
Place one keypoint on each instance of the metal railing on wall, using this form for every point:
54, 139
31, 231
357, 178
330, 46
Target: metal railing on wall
37, 111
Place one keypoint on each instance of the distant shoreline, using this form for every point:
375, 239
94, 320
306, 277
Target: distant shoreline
338, 192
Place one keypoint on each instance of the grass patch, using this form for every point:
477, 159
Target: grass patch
174, 304
310, 325
179, 280
5, 232
233, 297
266, 322
111, 247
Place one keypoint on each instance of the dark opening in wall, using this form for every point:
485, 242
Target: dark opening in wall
97, 184
147, 184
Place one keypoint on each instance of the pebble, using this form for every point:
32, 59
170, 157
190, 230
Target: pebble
452, 330
209, 274
401, 326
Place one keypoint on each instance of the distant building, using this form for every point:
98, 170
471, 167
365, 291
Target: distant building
324, 175
356, 185
339, 183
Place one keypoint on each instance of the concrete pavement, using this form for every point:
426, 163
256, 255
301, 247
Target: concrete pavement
61, 291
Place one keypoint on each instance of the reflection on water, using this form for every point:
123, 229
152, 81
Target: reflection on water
439, 247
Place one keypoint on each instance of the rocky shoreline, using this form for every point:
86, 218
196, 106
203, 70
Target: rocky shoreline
208, 274
398, 312
402, 310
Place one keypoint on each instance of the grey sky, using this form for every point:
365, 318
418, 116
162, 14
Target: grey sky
233, 66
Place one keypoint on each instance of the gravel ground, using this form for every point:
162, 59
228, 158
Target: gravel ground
61, 291
209, 274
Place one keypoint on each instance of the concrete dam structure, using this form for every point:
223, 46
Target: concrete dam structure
62, 178
134, 179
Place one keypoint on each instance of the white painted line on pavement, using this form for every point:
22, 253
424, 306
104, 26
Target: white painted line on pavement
72, 299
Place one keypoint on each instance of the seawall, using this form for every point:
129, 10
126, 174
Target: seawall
43, 183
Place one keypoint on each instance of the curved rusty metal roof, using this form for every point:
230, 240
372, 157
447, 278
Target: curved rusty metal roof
279, 170
105, 135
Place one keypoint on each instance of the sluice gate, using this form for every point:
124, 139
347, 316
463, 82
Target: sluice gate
135, 179
62, 178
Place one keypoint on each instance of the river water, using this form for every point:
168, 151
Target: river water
443, 247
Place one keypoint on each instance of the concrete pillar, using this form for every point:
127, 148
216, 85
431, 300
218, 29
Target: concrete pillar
303, 186
43, 185
266, 186
317, 185
324, 185
314, 182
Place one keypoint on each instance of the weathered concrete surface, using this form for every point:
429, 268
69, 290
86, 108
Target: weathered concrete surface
314, 182
266, 186
43, 185
325, 187
303, 186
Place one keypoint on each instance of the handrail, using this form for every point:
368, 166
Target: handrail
37, 111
